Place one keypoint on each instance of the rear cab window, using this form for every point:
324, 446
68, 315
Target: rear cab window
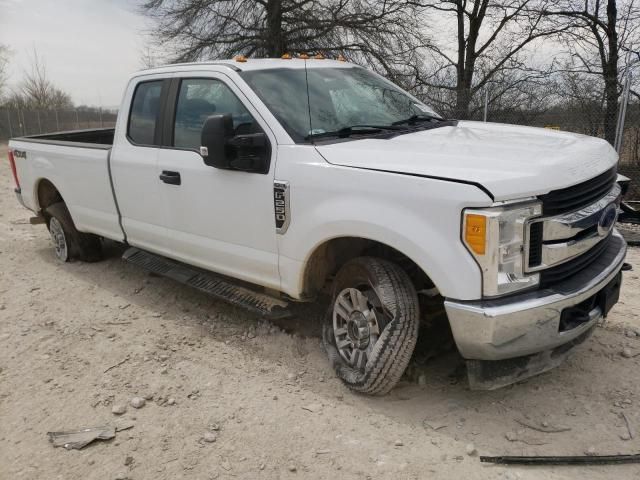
144, 114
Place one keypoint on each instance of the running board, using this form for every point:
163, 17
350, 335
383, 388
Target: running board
210, 283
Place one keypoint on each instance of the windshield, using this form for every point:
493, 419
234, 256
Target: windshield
339, 98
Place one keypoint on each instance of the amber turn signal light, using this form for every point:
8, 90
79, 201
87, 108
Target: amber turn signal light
475, 233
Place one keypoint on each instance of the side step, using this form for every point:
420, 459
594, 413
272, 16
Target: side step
207, 282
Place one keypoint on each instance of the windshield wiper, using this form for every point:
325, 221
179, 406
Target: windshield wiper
419, 117
354, 129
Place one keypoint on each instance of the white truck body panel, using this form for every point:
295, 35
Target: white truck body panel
417, 216
508, 160
81, 175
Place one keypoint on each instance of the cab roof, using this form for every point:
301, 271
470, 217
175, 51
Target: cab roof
249, 64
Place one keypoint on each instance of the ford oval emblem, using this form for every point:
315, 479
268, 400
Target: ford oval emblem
607, 219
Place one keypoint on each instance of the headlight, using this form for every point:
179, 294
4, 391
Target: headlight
496, 237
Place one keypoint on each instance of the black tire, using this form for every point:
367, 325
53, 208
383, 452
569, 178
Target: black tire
80, 246
396, 312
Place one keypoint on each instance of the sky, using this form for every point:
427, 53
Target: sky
90, 47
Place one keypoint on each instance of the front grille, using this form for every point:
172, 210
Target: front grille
565, 270
580, 195
535, 244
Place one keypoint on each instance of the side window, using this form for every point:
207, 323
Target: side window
144, 112
198, 99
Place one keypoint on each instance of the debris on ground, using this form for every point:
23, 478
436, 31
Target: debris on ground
209, 437
544, 427
77, 439
121, 362
520, 436
313, 408
564, 460
137, 402
630, 430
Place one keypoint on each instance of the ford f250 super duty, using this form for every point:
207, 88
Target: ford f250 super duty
264, 181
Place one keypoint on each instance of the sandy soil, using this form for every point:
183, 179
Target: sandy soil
275, 407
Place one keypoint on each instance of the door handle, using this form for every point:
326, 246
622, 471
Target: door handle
172, 178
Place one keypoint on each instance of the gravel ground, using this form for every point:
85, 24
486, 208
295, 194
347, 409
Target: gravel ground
228, 396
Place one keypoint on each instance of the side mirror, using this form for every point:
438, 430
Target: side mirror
221, 148
216, 132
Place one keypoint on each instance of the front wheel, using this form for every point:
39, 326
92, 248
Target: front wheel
372, 324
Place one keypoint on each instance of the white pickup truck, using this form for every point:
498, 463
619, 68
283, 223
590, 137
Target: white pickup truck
265, 181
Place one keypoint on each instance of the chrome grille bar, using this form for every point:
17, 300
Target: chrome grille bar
569, 235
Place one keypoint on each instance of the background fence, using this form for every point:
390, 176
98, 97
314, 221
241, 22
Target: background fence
19, 122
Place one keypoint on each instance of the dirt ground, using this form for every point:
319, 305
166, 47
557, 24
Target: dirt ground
78, 339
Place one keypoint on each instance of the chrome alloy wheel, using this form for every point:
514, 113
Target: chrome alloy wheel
59, 239
356, 327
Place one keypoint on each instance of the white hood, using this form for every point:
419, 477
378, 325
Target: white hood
510, 161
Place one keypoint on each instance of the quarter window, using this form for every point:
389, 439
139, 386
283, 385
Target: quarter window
144, 112
200, 98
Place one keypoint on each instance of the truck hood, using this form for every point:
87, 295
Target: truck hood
507, 160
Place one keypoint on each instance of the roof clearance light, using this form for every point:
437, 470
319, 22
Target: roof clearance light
240, 58
303, 56
341, 58
286, 56
319, 56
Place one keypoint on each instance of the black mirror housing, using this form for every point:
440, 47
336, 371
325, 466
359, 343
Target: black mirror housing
222, 148
216, 133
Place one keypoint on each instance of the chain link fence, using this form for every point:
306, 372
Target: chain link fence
587, 121
584, 121
16, 122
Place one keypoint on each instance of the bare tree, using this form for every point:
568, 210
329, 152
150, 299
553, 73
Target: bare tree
489, 38
4, 63
382, 34
150, 57
37, 91
597, 32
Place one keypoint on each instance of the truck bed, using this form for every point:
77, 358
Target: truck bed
77, 164
94, 138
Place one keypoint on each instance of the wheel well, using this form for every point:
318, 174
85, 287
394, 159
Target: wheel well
47, 194
327, 259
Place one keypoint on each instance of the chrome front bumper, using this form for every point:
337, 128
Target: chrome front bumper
529, 323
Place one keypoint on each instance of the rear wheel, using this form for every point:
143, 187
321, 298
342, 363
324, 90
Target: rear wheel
372, 324
68, 242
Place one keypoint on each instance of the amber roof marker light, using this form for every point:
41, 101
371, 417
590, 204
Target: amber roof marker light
286, 56
319, 56
341, 58
303, 56
240, 58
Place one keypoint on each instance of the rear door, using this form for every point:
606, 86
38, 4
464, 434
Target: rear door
221, 220
134, 166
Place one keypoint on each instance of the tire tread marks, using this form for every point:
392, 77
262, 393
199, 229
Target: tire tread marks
393, 350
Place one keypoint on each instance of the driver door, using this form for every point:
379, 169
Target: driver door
220, 220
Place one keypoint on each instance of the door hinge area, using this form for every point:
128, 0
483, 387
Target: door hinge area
282, 207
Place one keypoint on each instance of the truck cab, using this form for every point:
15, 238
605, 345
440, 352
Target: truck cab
296, 176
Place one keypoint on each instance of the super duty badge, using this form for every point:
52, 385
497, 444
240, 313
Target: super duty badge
281, 205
